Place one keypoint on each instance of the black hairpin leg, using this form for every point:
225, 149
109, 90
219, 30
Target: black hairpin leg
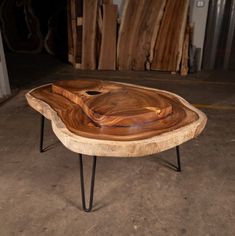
82, 184
41, 133
178, 158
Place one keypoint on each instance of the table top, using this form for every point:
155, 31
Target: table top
104, 118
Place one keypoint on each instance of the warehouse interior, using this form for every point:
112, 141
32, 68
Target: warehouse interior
44, 42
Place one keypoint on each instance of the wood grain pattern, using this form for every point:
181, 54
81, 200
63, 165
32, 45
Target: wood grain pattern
90, 9
78, 119
138, 33
129, 20
107, 60
168, 48
80, 134
114, 105
146, 34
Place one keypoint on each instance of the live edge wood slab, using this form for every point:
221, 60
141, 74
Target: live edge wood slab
101, 118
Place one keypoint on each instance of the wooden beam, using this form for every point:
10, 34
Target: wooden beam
107, 60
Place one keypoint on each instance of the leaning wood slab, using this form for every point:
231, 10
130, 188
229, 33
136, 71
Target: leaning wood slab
107, 60
103, 118
138, 32
90, 9
169, 43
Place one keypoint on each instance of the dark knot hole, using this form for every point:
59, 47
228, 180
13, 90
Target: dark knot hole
92, 92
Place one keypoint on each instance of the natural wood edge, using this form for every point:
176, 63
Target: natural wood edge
71, 58
79, 21
138, 148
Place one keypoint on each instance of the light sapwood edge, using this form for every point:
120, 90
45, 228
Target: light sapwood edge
79, 21
107, 148
71, 58
77, 65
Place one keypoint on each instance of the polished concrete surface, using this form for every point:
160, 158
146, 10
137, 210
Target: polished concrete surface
40, 192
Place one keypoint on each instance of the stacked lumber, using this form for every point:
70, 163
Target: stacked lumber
92, 34
74, 14
152, 35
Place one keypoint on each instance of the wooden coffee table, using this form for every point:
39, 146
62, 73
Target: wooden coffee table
101, 118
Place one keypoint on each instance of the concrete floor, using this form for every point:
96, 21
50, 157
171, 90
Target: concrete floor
40, 193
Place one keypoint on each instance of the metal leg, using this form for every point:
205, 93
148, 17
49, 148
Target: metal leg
82, 184
178, 158
41, 133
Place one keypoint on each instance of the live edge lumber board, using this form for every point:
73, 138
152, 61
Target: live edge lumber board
169, 43
107, 60
138, 32
96, 145
90, 9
